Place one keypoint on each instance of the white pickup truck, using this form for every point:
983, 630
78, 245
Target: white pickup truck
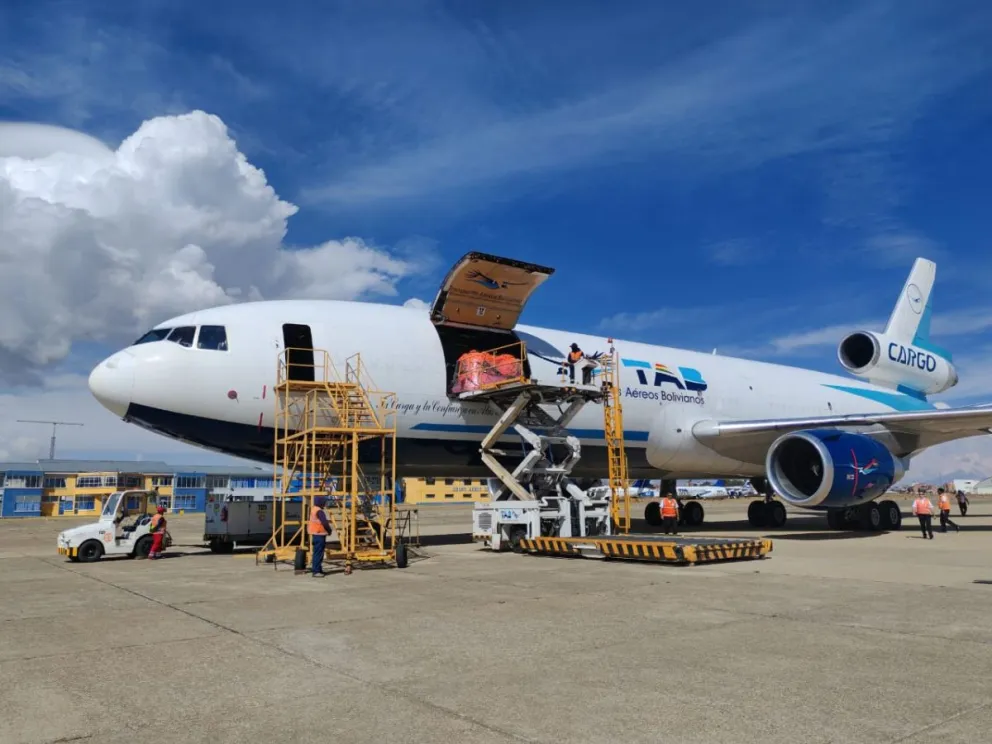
122, 529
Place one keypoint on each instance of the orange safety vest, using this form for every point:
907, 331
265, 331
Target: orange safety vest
574, 356
314, 526
157, 519
945, 502
669, 507
921, 506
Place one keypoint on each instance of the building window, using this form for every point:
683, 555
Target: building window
110, 481
218, 481
131, 481
162, 480
183, 336
190, 481
55, 481
89, 481
212, 337
184, 501
26, 503
85, 503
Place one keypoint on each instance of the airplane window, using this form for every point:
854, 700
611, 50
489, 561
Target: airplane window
212, 337
156, 334
183, 335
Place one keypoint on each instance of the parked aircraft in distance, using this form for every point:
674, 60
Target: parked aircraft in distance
821, 442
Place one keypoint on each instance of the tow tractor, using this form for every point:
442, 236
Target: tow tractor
122, 529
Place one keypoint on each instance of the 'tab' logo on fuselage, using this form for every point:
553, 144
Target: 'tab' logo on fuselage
657, 375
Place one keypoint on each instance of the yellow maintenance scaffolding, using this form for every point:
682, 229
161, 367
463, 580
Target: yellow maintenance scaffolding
616, 452
327, 424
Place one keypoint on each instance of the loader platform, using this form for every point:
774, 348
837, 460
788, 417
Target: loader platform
650, 548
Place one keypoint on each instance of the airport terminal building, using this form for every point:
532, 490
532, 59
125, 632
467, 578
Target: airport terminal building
51, 488
65, 488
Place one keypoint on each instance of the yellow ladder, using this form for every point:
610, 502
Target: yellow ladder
616, 453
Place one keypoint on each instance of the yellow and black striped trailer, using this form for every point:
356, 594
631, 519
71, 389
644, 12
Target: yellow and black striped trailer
650, 548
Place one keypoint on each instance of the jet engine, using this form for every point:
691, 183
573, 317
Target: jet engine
825, 468
882, 360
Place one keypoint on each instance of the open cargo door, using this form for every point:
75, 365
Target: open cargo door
475, 313
486, 292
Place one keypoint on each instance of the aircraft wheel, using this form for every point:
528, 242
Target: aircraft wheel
401, 556
871, 517
694, 514
757, 514
775, 514
652, 514
891, 515
90, 551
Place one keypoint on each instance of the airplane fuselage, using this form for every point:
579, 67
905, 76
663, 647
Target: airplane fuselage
222, 399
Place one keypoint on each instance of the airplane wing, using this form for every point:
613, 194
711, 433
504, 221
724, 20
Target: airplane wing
911, 431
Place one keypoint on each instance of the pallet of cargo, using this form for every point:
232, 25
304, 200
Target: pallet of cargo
650, 548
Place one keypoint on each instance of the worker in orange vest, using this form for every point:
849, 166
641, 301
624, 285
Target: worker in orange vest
944, 504
670, 514
319, 528
574, 357
156, 529
923, 509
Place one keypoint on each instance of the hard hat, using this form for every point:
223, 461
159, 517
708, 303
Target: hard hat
161, 509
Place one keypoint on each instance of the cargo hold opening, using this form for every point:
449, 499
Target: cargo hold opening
460, 345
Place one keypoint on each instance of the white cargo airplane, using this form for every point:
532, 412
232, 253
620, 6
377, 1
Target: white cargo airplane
821, 442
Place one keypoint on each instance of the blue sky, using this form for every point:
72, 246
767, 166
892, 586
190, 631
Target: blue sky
751, 177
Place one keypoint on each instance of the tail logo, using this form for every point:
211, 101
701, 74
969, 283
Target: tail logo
915, 297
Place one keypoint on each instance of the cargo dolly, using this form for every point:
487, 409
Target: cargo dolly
649, 548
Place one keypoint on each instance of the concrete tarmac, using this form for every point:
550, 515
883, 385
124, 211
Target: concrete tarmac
837, 637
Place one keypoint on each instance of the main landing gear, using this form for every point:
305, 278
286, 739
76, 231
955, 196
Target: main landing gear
871, 517
767, 512
691, 513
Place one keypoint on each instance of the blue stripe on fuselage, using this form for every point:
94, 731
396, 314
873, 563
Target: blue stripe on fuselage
895, 401
634, 436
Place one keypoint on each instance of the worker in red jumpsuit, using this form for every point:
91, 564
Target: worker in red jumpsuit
157, 531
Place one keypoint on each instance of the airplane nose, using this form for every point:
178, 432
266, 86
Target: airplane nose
112, 381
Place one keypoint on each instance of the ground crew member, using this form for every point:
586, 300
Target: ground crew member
670, 514
574, 357
962, 503
319, 528
923, 509
944, 504
157, 530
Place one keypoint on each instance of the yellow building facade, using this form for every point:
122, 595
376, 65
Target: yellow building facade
83, 494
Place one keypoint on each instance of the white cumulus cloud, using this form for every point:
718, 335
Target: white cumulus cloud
100, 244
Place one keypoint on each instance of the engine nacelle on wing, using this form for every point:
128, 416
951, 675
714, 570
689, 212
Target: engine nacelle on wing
830, 468
879, 359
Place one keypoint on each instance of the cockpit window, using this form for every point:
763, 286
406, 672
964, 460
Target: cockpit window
156, 334
183, 335
212, 337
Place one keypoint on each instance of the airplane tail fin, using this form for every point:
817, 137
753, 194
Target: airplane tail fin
910, 319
